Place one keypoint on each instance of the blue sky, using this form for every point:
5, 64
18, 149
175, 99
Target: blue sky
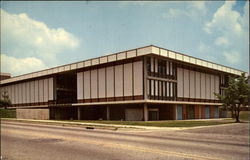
40, 35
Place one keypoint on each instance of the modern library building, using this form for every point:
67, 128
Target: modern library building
147, 83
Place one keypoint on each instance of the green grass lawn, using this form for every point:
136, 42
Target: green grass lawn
245, 115
164, 123
7, 113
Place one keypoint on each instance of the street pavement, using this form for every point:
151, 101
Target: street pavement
32, 141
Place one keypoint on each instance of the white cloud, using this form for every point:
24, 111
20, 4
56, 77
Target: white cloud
20, 65
24, 36
231, 32
26, 39
222, 41
191, 9
232, 57
225, 19
203, 48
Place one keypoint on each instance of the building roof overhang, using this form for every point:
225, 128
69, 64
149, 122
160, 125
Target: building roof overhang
126, 55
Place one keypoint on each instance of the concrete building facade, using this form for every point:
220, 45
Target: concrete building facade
148, 83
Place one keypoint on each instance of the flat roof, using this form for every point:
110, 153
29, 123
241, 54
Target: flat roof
151, 49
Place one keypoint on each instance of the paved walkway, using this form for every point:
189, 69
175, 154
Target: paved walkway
109, 126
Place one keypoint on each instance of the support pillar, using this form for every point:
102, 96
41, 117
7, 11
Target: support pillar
78, 113
108, 113
145, 112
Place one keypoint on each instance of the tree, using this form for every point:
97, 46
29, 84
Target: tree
5, 101
236, 95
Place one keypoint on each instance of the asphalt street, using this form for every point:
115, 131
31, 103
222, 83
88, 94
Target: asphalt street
27, 141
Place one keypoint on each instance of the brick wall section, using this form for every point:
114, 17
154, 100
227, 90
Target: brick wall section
211, 111
196, 112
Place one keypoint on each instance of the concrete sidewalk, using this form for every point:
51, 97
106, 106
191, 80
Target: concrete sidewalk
94, 125
106, 126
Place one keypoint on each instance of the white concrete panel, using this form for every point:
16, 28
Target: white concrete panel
131, 54
24, 93
86, 76
102, 83
51, 89
168, 89
217, 84
208, 87
215, 66
94, 84
180, 82
164, 52
138, 78
155, 50
160, 88
8, 91
152, 64
186, 59
179, 57
119, 81
171, 68
32, 91
95, 61
110, 81
27, 86
13, 93
164, 89
156, 88
144, 51
128, 90
204, 63
192, 84
203, 86
87, 63
197, 85
55, 70
80, 85
212, 87
20, 100
192, 60
198, 61
112, 58
45, 90
209, 65
186, 83
16, 93
67, 67
80, 65
73, 66
36, 91
167, 67
171, 89
40, 90
152, 87
61, 69
121, 56
156, 65
50, 71
104, 59
148, 87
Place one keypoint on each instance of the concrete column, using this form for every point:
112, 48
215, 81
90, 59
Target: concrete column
145, 112
108, 113
78, 113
